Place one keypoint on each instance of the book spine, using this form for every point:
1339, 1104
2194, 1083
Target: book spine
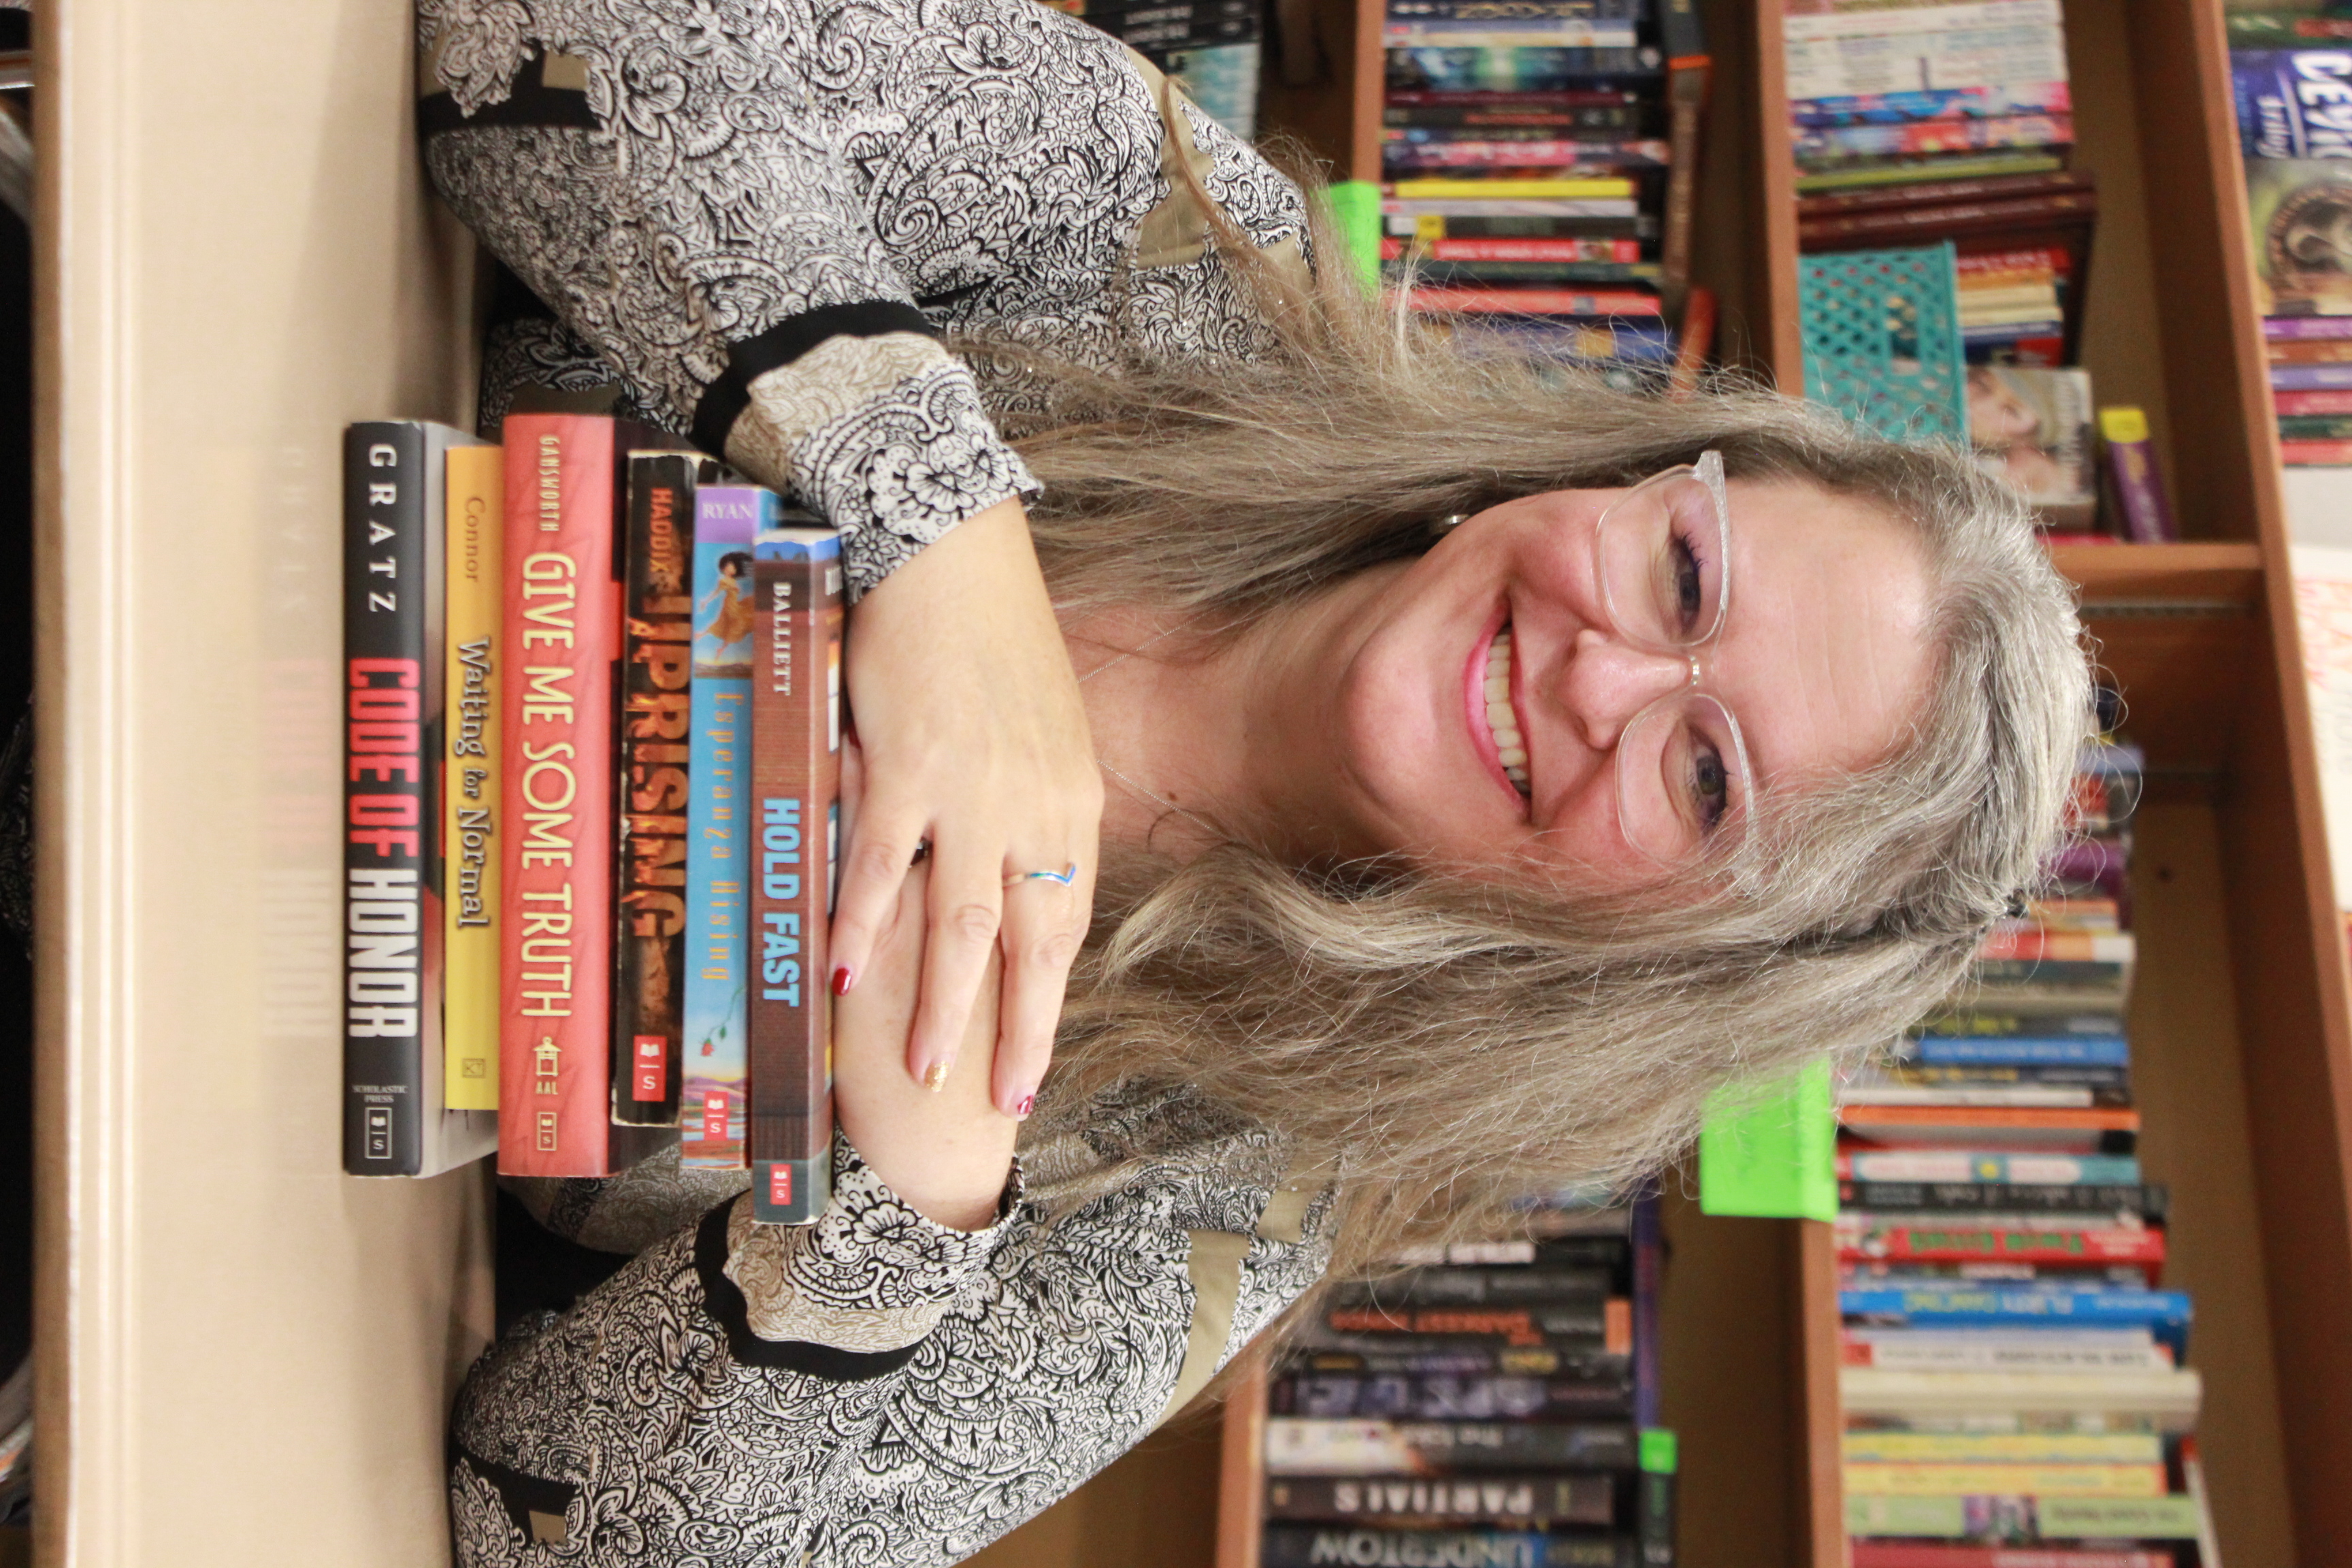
1933, 103
1318, 1546
795, 781
1490, 274
1899, 1244
1868, 1553
718, 840
1610, 1320
2315, 454
1990, 1166
562, 624
655, 682
2311, 377
392, 907
2017, 1050
2306, 328
1555, 1500
1654, 1489
1581, 1357
476, 521
1500, 1284
1404, 157
2294, 403
1606, 120
1301, 1446
2138, 484
1506, 33
2000, 1197
1408, 98
1342, 1395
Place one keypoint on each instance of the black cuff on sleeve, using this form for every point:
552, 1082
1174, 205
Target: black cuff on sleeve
723, 400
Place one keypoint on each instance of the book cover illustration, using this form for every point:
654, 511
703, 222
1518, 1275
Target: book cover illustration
2032, 427
2301, 210
649, 863
717, 868
798, 610
2294, 103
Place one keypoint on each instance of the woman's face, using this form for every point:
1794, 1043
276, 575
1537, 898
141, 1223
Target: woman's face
1822, 660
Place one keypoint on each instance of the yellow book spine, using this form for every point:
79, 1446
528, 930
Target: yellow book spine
2005, 1480
1514, 190
469, 792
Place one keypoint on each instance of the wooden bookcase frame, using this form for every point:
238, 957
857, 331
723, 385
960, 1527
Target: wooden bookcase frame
2243, 1021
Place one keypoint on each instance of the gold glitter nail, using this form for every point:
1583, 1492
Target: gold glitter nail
935, 1076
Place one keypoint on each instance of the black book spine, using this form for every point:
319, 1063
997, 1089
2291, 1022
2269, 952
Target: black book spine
391, 907
2150, 1202
1653, 1525
655, 733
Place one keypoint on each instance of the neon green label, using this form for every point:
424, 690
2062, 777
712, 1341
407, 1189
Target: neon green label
1355, 208
1771, 1157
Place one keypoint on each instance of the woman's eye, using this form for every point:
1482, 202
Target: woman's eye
1688, 576
1710, 784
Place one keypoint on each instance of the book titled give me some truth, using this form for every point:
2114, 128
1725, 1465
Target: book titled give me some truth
798, 612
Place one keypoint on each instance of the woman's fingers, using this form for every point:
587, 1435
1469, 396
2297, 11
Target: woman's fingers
883, 839
967, 896
1045, 922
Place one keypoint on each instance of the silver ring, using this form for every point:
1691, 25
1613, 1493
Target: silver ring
1066, 877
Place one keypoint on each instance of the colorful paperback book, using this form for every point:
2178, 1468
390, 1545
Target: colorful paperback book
2013, 1516
1834, 144
1472, 69
2017, 1050
2311, 377
1507, 33
1926, 49
2002, 1447
1987, 1166
396, 1120
714, 1104
2298, 207
1906, 170
798, 611
1599, 303
2144, 1481
2166, 1314
469, 953
1340, 1396
2294, 103
1943, 103
2149, 1203
1868, 1553
1413, 155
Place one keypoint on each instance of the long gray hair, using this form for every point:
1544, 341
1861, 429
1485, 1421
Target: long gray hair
1442, 1043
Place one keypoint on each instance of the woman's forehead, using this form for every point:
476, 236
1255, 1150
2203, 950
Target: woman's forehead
1824, 653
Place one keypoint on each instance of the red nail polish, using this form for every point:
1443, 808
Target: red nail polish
843, 978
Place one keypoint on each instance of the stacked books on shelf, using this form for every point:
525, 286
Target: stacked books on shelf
2290, 72
1214, 49
1951, 122
591, 764
1540, 158
1493, 1404
2014, 1374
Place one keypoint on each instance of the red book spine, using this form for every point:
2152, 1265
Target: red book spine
563, 627
2312, 401
2083, 1248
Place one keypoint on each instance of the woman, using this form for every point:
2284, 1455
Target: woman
1442, 860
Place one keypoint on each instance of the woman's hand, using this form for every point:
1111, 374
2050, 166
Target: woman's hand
944, 1154
974, 741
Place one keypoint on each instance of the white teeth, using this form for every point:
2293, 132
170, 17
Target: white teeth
1504, 723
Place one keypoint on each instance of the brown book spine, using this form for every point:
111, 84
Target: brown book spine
796, 786
2026, 212
655, 677
1947, 193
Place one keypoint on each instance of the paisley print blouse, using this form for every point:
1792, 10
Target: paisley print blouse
759, 219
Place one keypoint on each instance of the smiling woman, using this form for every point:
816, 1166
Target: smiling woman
1438, 864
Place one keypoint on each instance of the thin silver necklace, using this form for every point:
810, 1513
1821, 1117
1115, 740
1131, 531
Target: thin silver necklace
1134, 787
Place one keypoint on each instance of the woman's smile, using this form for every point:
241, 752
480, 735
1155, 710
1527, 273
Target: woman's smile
1493, 712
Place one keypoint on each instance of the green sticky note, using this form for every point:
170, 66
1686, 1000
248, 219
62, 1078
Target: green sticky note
1355, 208
1658, 1450
1773, 1156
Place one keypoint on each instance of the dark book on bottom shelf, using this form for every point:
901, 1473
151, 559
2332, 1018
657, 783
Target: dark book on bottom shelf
1347, 1546
1301, 1446
1446, 1398
1389, 1501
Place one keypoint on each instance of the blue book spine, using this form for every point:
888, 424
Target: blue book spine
2015, 1051
717, 868
2311, 377
2164, 1313
2294, 103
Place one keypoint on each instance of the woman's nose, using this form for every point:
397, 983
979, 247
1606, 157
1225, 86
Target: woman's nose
1609, 681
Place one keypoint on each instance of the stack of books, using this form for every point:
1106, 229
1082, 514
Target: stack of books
1492, 1405
568, 662
1214, 49
2014, 1370
1539, 156
2290, 72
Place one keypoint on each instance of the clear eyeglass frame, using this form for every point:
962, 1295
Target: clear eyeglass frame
1637, 565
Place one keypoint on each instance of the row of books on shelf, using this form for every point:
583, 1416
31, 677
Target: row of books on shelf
1489, 1405
2013, 1373
1541, 158
592, 731
2292, 78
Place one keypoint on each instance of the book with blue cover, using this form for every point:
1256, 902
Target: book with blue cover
718, 870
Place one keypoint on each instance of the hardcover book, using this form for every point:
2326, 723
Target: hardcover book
558, 705
656, 680
796, 783
718, 825
397, 1121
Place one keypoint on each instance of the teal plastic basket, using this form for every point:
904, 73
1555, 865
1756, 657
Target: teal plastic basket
1883, 340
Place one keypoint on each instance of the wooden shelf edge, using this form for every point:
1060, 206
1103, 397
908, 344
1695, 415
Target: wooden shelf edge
1241, 1493
2230, 571
1821, 1418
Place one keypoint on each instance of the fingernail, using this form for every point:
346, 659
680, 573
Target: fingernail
935, 1076
842, 979
1021, 1111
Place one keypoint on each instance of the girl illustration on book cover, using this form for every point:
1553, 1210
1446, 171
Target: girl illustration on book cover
722, 643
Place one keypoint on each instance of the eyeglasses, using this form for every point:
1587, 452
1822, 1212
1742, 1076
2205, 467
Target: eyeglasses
1662, 555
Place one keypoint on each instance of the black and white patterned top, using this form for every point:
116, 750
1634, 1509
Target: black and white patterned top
762, 216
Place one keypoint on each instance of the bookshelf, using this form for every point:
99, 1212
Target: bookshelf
237, 257
2245, 1077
